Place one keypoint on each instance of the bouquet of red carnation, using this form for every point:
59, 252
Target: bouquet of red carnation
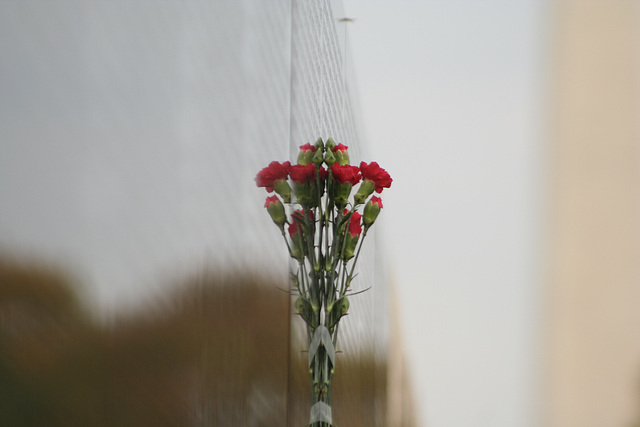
325, 235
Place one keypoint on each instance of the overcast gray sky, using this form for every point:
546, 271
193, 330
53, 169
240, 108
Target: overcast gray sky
450, 93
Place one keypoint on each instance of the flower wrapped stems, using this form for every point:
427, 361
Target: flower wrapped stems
324, 234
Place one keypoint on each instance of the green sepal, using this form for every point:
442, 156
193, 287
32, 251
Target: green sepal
294, 279
336, 310
277, 214
341, 195
350, 247
303, 193
342, 157
304, 157
371, 212
306, 310
283, 189
365, 190
298, 247
317, 158
330, 158
330, 144
328, 264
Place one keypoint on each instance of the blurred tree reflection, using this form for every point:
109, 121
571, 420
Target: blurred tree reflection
214, 352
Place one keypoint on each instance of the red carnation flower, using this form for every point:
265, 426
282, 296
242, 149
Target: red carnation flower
272, 173
296, 224
297, 219
355, 226
373, 172
303, 174
293, 228
346, 173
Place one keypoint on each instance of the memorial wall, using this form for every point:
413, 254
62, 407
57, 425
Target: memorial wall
130, 135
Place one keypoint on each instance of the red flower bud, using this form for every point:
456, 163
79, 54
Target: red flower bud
308, 147
371, 211
376, 201
276, 210
340, 147
341, 154
306, 154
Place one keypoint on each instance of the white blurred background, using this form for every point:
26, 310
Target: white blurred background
451, 98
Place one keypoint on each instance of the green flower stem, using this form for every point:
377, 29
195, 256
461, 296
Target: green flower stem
301, 292
325, 220
307, 236
301, 280
355, 260
304, 281
344, 246
334, 246
335, 338
321, 277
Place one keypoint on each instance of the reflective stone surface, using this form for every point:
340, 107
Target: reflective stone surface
131, 132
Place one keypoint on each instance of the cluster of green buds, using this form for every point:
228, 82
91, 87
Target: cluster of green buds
324, 234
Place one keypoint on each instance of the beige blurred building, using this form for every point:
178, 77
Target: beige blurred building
593, 295
401, 410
